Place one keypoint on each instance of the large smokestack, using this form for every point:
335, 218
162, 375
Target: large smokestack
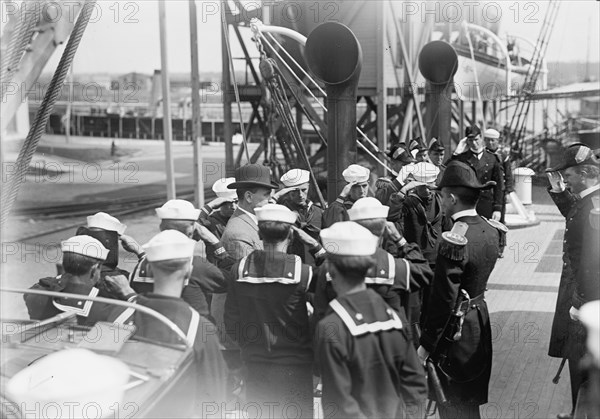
334, 56
438, 63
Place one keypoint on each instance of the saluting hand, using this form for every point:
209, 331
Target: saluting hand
130, 244
281, 192
556, 181
204, 234
346, 191
305, 237
391, 232
217, 202
118, 285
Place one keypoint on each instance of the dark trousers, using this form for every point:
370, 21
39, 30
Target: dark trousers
460, 411
576, 378
280, 390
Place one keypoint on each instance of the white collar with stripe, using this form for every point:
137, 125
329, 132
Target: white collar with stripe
394, 321
192, 328
379, 279
83, 311
292, 277
464, 213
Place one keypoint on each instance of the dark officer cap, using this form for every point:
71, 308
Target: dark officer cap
575, 155
472, 131
400, 153
436, 145
458, 173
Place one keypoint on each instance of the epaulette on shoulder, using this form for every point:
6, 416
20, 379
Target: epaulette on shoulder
453, 243
502, 230
383, 182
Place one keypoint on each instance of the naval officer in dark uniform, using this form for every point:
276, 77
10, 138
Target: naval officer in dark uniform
493, 143
436, 154
462, 270
579, 283
488, 167
266, 315
368, 366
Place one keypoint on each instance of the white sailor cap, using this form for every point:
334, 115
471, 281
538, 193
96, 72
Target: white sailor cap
105, 222
220, 188
491, 133
295, 177
275, 212
86, 246
169, 244
347, 238
404, 172
356, 173
178, 209
71, 380
368, 208
423, 172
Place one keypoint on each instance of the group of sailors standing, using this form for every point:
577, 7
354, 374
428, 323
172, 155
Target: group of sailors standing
357, 296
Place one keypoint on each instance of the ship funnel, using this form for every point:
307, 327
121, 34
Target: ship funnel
334, 56
438, 62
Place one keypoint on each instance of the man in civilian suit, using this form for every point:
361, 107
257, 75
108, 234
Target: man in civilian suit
253, 186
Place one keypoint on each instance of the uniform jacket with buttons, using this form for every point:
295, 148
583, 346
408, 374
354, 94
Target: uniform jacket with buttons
469, 362
488, 168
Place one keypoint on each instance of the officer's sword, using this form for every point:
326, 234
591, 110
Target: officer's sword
556, 378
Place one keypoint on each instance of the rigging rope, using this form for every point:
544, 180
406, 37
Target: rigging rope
235, 87
21, 37
10, 190
364, 136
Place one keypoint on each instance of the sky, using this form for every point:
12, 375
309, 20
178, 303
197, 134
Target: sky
123, 36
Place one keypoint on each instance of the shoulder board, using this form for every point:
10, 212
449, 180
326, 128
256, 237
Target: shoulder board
502, 230
453, 243
497, 225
